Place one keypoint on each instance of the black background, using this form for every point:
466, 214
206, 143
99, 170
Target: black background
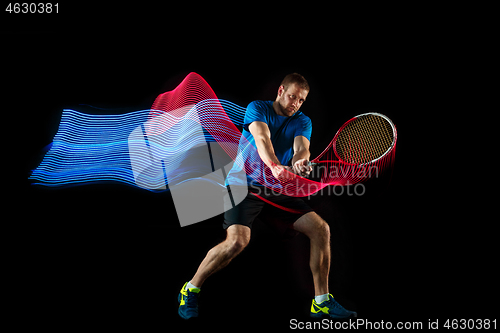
115, 256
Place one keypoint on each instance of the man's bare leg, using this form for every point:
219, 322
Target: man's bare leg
318, 231
237, 238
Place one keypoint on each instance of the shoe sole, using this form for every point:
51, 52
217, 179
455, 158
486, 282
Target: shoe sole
324, 315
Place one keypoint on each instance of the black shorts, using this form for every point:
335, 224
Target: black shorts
280, 218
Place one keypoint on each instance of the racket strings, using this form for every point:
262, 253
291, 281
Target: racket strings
364, 139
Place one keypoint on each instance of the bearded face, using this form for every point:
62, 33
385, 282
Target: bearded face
290, 100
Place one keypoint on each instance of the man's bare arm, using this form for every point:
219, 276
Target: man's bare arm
262, 137
301, 154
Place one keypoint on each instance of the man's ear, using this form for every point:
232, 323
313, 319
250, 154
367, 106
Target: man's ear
281, 90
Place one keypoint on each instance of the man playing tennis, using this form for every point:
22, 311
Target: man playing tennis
281, 133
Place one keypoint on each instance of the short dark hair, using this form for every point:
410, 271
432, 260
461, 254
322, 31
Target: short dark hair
297, 79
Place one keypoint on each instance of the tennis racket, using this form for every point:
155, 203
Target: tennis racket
362, 140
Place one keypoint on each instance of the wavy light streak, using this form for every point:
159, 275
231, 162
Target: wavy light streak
152, 148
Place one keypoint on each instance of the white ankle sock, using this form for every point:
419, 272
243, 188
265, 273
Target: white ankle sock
190, 285
321, 298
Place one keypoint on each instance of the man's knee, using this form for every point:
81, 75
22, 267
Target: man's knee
324, 227
321, 229
313, 226
238, 238
238, 244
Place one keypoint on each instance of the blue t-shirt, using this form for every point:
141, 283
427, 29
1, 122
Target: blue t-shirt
283, 132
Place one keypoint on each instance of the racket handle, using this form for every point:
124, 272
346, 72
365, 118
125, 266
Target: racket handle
312, 163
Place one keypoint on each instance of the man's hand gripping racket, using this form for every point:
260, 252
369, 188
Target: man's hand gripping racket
302, 167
